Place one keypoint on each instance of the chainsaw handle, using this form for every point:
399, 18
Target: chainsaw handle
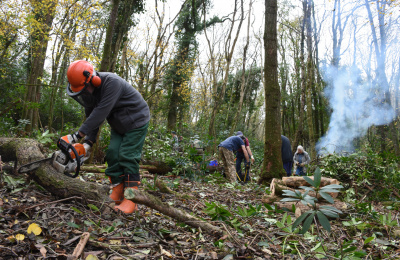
64, 147
78, 162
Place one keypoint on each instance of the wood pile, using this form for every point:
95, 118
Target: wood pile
294, 183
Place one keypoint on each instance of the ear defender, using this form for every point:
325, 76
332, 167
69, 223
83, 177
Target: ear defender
96, 80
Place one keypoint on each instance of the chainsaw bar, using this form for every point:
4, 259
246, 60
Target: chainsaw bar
34, 165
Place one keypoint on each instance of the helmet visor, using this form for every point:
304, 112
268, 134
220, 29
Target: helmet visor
83, 97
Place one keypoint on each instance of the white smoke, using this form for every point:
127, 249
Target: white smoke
356, 103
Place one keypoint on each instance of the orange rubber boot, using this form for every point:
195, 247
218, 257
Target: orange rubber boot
117, 194
128, 206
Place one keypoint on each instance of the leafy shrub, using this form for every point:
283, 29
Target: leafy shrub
322, 212
217, 211
363, 169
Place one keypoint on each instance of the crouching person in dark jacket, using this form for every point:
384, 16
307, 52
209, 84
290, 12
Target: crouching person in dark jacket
105, 95
287, 155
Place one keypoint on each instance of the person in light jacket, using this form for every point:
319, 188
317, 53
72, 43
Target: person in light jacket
301, 159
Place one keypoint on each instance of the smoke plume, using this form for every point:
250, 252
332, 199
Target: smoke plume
357, 102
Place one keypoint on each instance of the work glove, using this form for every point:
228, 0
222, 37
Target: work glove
87, 145
252, 159
72, 138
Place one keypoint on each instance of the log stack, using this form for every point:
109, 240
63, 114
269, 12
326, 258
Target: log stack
294, 183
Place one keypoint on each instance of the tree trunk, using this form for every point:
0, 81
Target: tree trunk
173, 106
395, 105
229, 49
395, 138
39, 39
283, 73
119, 24
310, 81
319, 100
105, 64
301, 84
272, 164
380, 53
243, 82
61, 51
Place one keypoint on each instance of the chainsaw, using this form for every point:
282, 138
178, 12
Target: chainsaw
67, 160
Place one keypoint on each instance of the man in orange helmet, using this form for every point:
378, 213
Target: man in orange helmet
105, 95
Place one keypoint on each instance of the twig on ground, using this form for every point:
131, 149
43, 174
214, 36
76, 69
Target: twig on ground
114, 248
80, 246
254, 239
51, 202
230, 234
2, 247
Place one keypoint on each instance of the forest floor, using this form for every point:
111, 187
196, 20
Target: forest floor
254, 230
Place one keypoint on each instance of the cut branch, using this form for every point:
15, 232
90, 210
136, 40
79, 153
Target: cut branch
79, 248
144, 198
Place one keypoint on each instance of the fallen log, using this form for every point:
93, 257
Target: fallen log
297, 181
151, 166
27, 150
20, 149
277, 187
163, 187
156, 167
59, 185
101, 169
92, 168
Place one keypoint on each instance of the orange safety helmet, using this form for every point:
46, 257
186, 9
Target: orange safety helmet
80, 73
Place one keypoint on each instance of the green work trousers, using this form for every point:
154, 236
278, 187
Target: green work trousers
124, 154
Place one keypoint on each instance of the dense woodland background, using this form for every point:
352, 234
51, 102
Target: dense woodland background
201, 70
324, 73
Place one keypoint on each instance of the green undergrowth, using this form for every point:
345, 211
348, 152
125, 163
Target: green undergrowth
364, 173
257, 230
